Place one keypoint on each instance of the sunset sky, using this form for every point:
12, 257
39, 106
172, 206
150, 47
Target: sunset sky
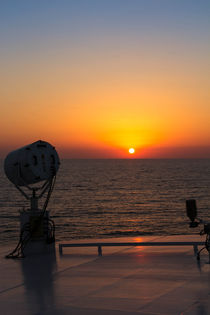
97, 77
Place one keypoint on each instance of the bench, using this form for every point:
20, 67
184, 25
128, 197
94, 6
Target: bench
105, 244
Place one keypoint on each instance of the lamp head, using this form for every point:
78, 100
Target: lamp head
31, 164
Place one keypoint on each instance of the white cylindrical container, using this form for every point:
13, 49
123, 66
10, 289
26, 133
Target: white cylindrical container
31, 164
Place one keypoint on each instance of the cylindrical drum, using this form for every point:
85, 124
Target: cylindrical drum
31, 164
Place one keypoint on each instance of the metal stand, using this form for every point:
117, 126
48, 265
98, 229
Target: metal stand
191, 211
207, 242
37, 229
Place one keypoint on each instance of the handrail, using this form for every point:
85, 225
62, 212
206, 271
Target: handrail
100, 244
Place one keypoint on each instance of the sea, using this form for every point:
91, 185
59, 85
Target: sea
116, 198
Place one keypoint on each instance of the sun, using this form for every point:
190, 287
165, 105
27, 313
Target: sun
131, 150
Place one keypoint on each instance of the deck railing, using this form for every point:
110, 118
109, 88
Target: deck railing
105, 244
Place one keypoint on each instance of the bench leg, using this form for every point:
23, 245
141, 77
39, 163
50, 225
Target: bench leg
99, 251
60, 249
195, 249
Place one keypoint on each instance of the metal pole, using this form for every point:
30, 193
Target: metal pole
99, 250
34, 201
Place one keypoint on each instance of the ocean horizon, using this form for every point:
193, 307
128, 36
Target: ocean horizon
98, 198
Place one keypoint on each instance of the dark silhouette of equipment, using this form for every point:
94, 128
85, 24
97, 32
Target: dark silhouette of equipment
36, 163
191, 210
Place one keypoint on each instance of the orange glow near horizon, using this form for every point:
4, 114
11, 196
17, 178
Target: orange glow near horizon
94, 94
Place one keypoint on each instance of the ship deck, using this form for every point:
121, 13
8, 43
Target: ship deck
124, 281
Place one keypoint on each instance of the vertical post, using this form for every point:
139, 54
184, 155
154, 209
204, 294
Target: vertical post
34, 201
195, 249
99, 250
60, 249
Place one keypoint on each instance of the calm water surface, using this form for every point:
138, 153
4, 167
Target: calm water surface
106, 198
